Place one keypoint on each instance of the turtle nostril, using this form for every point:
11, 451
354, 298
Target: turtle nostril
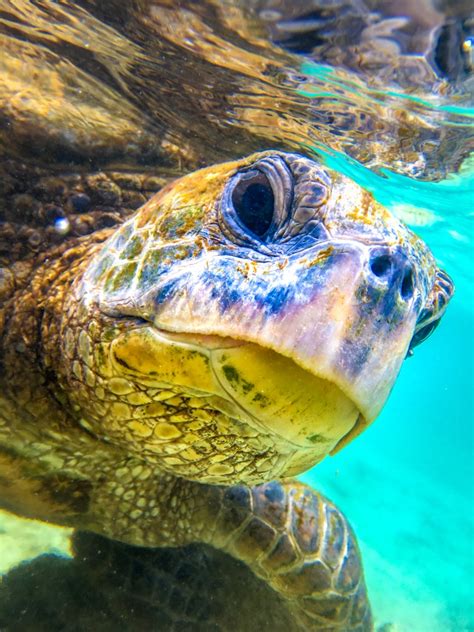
406, 289
395, 271
381, 265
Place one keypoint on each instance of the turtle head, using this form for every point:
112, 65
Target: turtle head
260, 310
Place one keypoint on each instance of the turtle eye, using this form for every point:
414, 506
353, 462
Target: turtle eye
422, 334
254, 202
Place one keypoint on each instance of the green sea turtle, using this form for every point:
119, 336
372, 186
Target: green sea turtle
165, 374
164, 379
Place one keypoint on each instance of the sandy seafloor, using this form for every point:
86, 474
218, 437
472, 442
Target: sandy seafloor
407, 483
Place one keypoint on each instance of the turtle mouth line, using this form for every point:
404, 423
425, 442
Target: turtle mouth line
210, 342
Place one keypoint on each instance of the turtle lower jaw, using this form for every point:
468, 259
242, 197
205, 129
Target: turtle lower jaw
274, 394
268, 417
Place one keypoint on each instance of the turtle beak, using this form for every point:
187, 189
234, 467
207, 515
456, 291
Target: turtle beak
341, 323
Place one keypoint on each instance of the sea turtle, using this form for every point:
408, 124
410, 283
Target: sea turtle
165, 373
164, 380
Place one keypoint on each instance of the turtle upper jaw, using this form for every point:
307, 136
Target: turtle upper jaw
332, 324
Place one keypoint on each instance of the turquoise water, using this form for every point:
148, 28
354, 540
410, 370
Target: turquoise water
407, 483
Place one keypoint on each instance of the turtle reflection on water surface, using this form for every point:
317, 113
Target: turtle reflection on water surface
163, 380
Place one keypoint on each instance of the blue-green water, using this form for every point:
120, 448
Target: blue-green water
407, 484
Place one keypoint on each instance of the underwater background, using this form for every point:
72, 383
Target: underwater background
407, 484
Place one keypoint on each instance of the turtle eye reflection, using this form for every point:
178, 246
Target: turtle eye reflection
254, 202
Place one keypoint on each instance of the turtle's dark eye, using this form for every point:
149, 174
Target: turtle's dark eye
254, 202
422, 334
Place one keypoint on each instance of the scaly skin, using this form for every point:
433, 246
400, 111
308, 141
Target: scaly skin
112, 424
288, 534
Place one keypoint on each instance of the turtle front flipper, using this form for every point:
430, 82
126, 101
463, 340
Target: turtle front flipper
300, 544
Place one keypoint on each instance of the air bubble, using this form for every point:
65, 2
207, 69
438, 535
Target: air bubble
62, 225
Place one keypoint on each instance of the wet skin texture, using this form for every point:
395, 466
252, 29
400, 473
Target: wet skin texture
248, 320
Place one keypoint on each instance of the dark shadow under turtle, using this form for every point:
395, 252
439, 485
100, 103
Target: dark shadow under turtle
111, 586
